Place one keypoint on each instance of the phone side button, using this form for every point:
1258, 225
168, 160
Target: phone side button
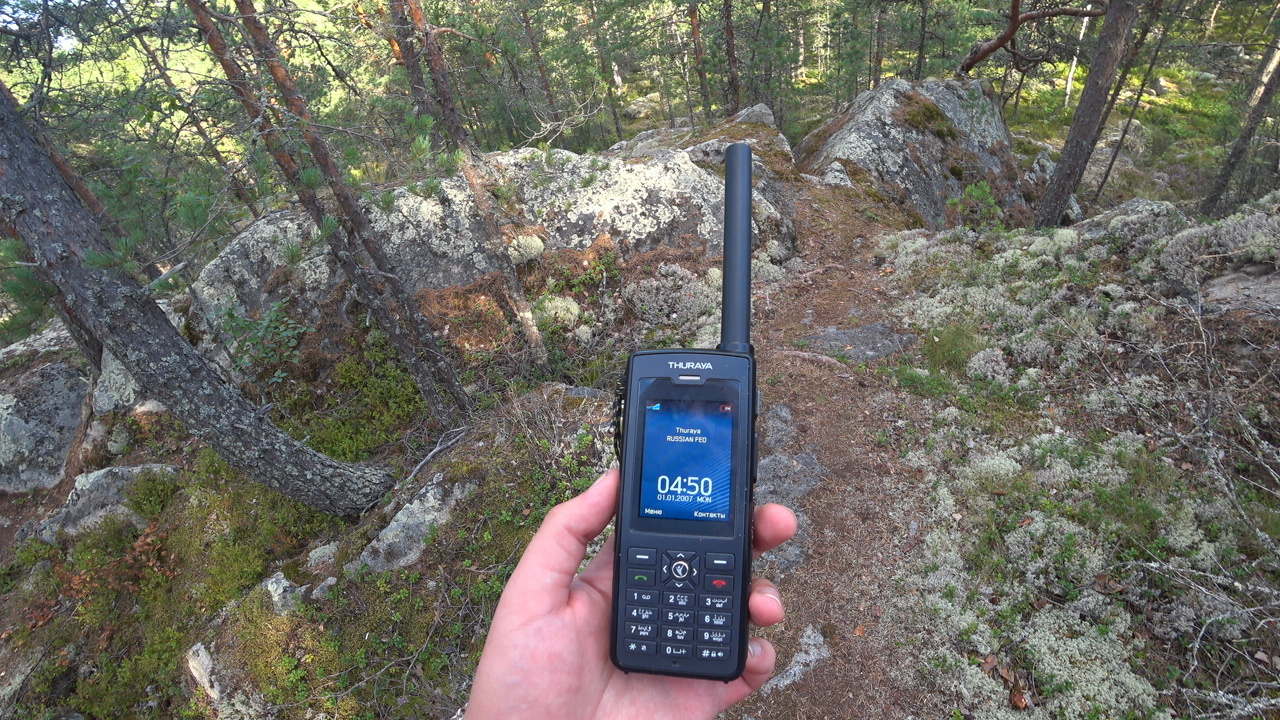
644, 647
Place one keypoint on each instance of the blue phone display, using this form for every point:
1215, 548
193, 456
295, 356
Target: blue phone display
685, 470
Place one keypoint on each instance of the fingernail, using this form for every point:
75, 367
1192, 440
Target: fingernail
754, 647
772, 594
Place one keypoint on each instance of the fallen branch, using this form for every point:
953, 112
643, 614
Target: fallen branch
824, 359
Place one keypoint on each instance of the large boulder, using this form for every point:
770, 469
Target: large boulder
922, 144
668, 197
41, 411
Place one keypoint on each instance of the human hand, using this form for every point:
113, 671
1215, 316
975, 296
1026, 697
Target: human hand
547, 654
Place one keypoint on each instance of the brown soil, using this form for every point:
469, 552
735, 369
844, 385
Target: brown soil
866, 518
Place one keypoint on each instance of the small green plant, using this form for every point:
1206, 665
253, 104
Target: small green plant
151, 492
311, 178
264, 344
292, 253
977, 207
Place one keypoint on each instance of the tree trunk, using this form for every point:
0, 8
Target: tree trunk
123, 317
406, 51
473, 172
1126, 66
877, 47
1241, 145
1213, 19
1265, 71
699, 59
538, 62
1112, 42
237, 188
924, 33
341, 243
1075, 60
731, 59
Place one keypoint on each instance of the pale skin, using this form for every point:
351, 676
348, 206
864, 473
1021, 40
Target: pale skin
547, 654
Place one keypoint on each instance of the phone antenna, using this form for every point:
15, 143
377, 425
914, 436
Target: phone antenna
735, 312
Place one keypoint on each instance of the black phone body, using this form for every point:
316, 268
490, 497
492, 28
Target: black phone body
682, 564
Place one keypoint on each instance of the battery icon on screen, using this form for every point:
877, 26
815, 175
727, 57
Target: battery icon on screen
726, 407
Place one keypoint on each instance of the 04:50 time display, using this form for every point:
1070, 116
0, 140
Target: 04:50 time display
685, 485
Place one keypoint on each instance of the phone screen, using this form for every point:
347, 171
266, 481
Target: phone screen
687, 460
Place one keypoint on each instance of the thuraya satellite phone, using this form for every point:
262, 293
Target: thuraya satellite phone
687, 451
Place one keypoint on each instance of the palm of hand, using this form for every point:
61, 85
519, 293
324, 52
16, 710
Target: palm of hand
547, 655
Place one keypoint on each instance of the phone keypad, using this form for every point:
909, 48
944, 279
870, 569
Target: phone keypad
676, 610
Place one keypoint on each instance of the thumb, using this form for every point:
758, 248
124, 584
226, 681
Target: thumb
541, 579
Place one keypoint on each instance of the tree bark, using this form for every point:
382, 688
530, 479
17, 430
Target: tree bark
924, 34
1017, 19
340, 243
699, 58
1075, 61
1265, 70
238, 188
1112, 43
731, 59
1243, 140
536, 50
472, 167
45, 213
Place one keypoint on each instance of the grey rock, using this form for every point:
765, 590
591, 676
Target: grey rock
97, 496
321, 558
869, 342
568, 201
835, 174
813, 650
41, 410
759, 114
1242, 291
1136, 224
52, 339
116, 389
785, 478
643, 107
200, 666
778, 425
284, 594
321, 591
923, 143
587, 392
229, 702
400, 543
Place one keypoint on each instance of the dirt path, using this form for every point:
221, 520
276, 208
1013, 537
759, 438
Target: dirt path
845, 650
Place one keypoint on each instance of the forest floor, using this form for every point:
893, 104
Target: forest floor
862, 524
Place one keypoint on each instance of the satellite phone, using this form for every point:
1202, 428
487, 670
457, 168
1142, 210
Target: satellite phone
687, 450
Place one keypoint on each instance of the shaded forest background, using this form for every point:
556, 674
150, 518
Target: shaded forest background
143, 112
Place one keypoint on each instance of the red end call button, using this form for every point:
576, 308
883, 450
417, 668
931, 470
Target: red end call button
723, 583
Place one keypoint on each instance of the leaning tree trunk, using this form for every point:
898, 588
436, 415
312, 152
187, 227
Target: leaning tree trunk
1241, 145
1112, 41
731, 59
42, 210
699, 58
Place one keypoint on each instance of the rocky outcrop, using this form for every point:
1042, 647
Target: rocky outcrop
922, 144
400, 543
41, 410
635, 202
97, 496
